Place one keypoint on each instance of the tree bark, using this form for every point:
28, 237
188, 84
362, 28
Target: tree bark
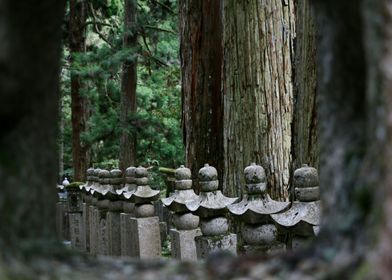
305, 128
29, 84
258, 92
201, 63
77, 40
128, 88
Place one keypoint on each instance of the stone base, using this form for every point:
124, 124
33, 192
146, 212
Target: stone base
206, 245
102, 237
273, 249
114, 233
183, 246
93, 230
146, 242
126, 237
86, 223
76, 230
62, 221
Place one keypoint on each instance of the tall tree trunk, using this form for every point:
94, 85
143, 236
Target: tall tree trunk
77, 40
128, 88
29, 84
258, 91
305, 129
201, 62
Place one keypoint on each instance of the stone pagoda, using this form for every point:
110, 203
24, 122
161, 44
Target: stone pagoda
144, 227
113, 215
258, 230
186, 224
128, 210
211, 207
301, 222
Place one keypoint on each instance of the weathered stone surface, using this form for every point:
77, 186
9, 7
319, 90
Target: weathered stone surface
306, 177
185, 221
183, 246
126, 234
146, 243
144, 210
76, 230
259, 234
307, 194
93, 230
206, 245
257, 250
210, 204
214, 226
114, 233
102, 238
86, 224
62, 220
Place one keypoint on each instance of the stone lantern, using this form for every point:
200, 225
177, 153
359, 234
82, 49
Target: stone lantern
211, 207
258, 231
186, 224
301, 222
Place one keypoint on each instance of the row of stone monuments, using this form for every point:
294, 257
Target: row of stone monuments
115, 215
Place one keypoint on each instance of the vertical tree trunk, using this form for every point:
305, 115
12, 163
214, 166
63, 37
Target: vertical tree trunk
128, 88
29, 84
77, 38
201, 62
258, 91
305, 129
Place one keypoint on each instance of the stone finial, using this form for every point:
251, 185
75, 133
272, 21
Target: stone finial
141, 176
130, 174
255, 179
182, 173
65, 182
142, 193
183, 178
306, 184
104, 176
116, 177
305, 177
208, 178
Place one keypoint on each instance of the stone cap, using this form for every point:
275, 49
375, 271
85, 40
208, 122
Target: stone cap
300, 212
183, 173
306, 177
208, 173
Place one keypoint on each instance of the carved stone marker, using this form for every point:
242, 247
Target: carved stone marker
186, 224
128, 211
144, 228
62, 221
254, 210
93, 212
75, 208
103, 207
211, 207
300, 223
113, 216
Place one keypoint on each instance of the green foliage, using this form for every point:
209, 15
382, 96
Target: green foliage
157, 120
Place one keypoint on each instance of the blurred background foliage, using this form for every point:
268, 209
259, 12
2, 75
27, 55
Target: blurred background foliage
157, 122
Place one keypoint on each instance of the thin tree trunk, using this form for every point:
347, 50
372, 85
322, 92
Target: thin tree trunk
77, 40
128, 88
258, 91
305, 129
201, 63
29, 84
